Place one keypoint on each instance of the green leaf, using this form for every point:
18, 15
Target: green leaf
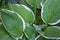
4, 35
13, 23
34, 3
30, 32
50, 13
37, 27
40, 38
52, 32
43, 1
24, 38
40, 28
24, 11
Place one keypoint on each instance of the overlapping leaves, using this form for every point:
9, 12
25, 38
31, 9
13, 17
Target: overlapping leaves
24, 11
34, 3
15, 21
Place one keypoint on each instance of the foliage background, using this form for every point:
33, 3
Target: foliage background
4, 4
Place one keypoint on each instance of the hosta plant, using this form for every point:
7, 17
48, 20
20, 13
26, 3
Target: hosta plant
20, 21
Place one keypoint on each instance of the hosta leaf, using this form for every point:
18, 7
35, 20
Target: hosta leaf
40, 38
43, 1
52, 32
34, 3
4, 35
24, 38
37, 27
24, 11
51, 12
30, 32
40, 28
13, 23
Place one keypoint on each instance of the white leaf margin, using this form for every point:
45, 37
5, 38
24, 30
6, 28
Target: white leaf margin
20, 18
42, 15
28, 9
31, 4
42, 34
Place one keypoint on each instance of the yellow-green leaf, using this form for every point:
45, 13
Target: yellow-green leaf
24, 11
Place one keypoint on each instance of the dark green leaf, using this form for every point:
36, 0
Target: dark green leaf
51, 12
40, 38
52, 32
30, 32
4, 35
13, 23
